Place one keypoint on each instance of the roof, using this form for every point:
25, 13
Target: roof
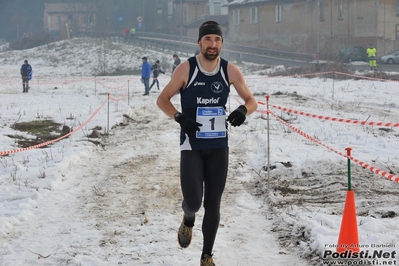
223, 20
259, 2
178, 1
73, 7
243, 2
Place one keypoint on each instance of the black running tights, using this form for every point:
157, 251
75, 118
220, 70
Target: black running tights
204, 170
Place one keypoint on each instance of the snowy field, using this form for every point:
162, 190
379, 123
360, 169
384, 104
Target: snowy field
115, 200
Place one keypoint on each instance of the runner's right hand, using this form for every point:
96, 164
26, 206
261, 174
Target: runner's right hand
188, 126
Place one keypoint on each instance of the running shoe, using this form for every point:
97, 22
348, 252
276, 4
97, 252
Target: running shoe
184, 235
207, 261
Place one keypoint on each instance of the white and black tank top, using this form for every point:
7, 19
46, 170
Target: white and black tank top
204, 100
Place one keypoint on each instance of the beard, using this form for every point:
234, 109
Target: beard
210, 56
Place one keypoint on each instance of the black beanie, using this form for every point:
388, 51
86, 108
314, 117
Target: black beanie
209, 27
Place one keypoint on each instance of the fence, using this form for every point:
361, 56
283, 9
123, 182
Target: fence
121, 92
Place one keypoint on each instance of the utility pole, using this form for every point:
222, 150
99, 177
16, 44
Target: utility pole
331, 19
318, 32
181, 27
143, 16
349, 32
384, 28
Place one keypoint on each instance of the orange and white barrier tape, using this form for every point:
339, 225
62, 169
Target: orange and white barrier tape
343, 120
55, 140
365, 77
361, 163
118, 99
112, 88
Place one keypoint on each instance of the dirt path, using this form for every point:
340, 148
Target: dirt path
138, 195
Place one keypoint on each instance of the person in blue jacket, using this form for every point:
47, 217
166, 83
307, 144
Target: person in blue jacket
26, 73
145, 75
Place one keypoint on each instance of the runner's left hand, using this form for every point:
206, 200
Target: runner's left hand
238, 116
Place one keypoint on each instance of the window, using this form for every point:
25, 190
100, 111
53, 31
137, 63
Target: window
217, 7
236, 17
340, 10
278, 13
397, 7
322, 9
70, 17
59, 20
254, 15
170, 8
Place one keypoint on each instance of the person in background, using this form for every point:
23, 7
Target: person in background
176, 62
156, 69
145, 75
132, 32
26, 73
204, 84
371, 54
126, 32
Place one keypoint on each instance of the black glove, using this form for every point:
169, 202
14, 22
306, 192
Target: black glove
238, 116
189, 126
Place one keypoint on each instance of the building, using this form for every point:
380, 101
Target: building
189, 13
192, 28
315, 26
77, 17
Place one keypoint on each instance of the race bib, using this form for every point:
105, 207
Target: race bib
213, 120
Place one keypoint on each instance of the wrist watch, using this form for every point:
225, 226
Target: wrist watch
177, 116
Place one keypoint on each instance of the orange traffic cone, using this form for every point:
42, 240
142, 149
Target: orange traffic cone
348, 236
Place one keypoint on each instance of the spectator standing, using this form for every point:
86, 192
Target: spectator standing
145, 75
156, 69
26, 73
126, 32
176, 62
204, 84
132, 32
371, 54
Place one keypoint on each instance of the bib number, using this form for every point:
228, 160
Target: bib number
213, 120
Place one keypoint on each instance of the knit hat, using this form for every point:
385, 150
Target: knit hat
144, 58
157, 61
209, 27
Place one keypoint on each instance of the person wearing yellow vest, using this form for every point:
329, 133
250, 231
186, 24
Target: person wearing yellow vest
371, 54
132, 31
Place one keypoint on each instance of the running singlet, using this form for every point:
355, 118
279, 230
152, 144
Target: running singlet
204, 100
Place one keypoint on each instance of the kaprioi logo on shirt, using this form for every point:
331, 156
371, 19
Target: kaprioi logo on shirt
212, 100
217, 87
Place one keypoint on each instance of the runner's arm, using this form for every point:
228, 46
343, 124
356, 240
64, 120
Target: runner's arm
237, 79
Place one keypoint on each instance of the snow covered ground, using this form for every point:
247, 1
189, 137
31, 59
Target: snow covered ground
115, 200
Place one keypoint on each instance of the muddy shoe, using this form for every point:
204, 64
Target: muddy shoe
207, 261
184, 235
